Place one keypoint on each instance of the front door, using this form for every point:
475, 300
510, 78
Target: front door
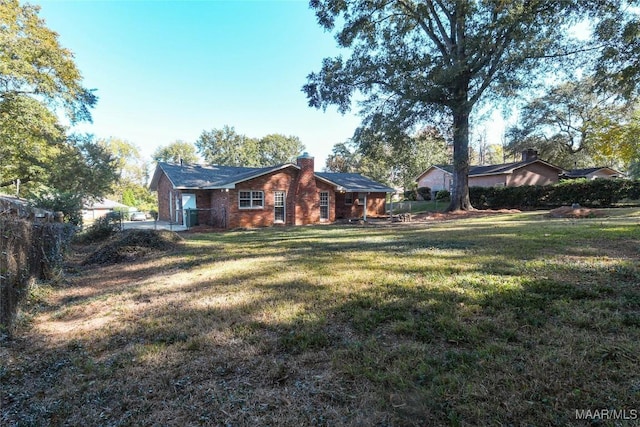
278, 207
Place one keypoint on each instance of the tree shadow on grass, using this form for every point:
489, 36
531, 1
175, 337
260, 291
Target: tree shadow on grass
290, 346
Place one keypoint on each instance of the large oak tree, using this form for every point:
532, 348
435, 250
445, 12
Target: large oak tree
38, 80
411, 61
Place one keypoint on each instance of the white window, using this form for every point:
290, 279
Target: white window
324, 205
278, 206
250, 199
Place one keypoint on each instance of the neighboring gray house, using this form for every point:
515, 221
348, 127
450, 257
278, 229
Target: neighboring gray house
593, 173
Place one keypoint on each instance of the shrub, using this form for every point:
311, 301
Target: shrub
594, 193
70, 204
123, 212
100, 230
411, 195
443, 195
425, 193
30, 251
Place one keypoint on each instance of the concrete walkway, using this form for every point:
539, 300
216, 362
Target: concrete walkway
152, 225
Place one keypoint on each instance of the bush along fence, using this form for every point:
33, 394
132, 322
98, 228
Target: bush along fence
29, 250
594, 193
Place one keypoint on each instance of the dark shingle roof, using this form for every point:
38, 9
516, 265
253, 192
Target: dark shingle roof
494, 169
207, 177
211, 177
580, 173
354, 182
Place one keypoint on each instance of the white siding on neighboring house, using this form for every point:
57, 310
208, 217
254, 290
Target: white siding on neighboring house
436, 179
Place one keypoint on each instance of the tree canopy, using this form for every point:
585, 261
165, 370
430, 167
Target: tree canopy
132, 172
413, 61
227, 147
175, 152
39, 158
32, 62
577, 124
394, 163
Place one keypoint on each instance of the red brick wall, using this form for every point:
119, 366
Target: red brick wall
164, 188
219, 202
376, 206
262, 217
307, 198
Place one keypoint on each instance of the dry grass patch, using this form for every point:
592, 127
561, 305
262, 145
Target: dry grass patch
501, 320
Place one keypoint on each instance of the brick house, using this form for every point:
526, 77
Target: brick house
529, 171
289, 194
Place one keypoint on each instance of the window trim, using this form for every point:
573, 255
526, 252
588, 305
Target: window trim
354, 198
325, 205
348, 198
276, 206
253, 200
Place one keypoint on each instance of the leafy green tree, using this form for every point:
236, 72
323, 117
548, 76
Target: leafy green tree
618, 66
227, 147
130, 187
176, 151
615, 143
276, 149
572, 125
130, 167
33, 63
30, 140
128, 198
38, 80
82, 171
344, 158
84, 168
412, 61
428, 147
395, 163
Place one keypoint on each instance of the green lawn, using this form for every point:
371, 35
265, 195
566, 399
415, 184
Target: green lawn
502, 320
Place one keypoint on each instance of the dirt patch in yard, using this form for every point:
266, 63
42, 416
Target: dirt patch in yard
445, 216
575, 212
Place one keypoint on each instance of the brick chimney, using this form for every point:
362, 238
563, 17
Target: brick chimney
305, 162
307, 204
529, 155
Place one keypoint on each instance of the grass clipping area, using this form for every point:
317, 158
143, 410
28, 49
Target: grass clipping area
510, 319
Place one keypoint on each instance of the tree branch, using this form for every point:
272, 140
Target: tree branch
428, 29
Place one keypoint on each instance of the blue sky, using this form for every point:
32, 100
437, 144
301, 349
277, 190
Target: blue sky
168, 70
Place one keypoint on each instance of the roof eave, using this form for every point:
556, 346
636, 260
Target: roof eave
368, 190
328, 181
153, 185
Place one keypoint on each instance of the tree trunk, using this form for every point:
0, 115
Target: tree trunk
460, 188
